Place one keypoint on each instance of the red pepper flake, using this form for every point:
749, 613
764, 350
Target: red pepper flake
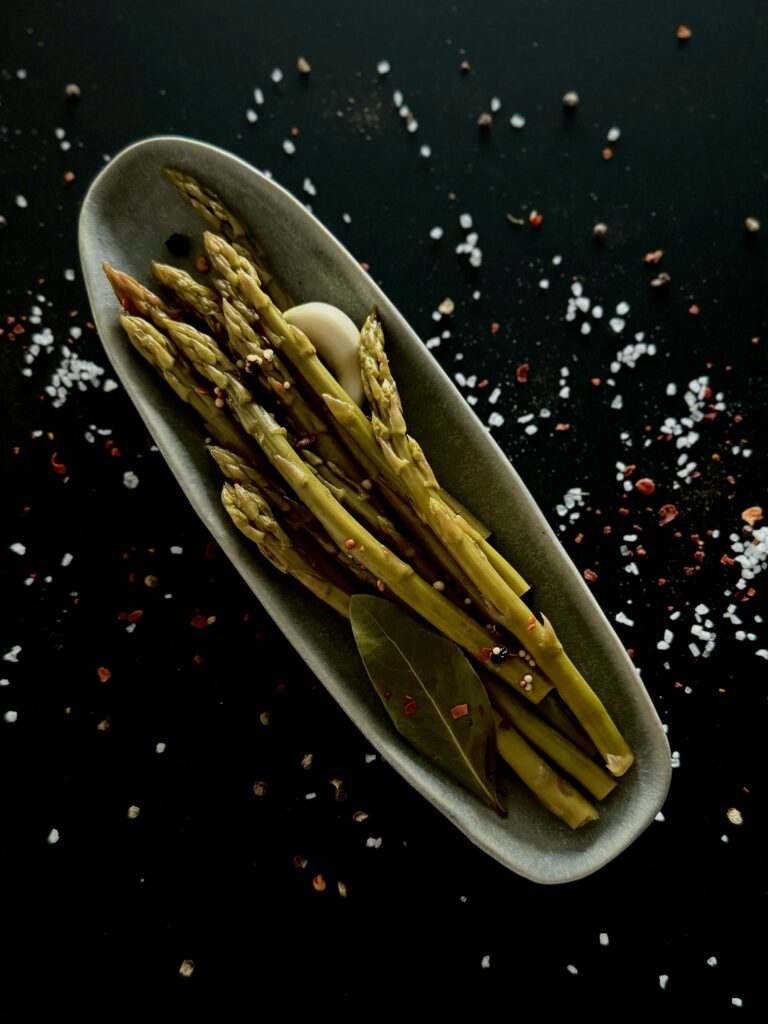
662, 582
607, 153
562, 426
411, 707
645, 486
211, 549
202, 266
364, 265
134, 616
56, 466
69, 177
653, 257
694, 310
596, 382
198, 659
294, 132
319, 884
578, 538
629, 470
115, 452
727, 560
683, 33
484, 653
349, 544
522, 373
495, 328
590, 575
532, 623
459, 711
667, 513
484, 383
198, 621
306, 441
19, 329
699, 556
752, 515
535, 219
104, 674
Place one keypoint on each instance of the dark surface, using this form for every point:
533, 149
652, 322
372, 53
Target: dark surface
206, 871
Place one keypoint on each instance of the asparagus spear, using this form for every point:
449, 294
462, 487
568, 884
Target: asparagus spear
546, 739
155, 348
252, 515
221, 219
557, 795
201, 300
408, 460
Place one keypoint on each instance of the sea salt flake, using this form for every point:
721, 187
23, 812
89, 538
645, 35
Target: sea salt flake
130, 480
11, 716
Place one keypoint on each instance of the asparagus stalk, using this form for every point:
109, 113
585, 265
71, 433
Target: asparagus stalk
557, 795
252, 515
221, 219
407, 459
557, 748
198, 298
154, 347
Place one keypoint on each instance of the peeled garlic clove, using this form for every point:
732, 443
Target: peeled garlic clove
336, 339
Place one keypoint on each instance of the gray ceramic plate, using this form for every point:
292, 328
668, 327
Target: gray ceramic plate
128, 213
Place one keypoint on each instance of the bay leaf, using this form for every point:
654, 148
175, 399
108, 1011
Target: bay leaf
431, 692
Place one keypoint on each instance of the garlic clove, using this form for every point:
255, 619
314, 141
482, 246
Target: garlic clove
336, 339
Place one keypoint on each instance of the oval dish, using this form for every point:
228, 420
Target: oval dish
127, 214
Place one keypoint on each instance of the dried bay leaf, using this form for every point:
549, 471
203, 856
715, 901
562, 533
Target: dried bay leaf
431, 692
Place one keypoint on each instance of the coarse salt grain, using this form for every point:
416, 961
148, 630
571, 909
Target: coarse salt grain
383, 67
436, 233
130, 480
251, 116
517, 121
11, 716
53, 837
276, 75
289, 147
21, 202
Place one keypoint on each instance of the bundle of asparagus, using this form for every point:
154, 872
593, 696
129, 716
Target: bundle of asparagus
348, 504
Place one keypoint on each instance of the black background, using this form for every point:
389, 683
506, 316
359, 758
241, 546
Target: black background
206, 871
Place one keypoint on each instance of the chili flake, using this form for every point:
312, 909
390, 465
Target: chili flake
459, 711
